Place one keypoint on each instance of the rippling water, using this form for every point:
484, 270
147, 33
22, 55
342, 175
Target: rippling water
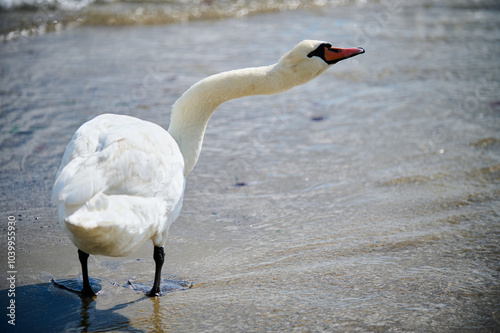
365, 200
21, 18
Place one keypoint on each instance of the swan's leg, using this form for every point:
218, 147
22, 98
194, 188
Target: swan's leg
87, 289
159, 257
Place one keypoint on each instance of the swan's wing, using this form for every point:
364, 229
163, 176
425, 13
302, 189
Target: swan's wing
117, 155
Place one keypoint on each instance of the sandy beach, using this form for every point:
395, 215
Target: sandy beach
364, 201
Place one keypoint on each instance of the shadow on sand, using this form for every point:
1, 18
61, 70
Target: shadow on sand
45, 308
48, 307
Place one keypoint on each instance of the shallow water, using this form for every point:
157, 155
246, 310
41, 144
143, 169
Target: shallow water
380, 215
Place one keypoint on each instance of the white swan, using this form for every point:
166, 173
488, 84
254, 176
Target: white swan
121, 179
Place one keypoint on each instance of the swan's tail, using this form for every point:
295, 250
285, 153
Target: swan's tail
112, 225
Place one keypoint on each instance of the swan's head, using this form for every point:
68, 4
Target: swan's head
310, 58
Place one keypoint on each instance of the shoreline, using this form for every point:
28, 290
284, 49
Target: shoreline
26, 22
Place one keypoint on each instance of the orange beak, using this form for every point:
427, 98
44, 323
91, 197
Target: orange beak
336, 54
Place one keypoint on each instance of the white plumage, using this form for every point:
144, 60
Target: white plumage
121, 179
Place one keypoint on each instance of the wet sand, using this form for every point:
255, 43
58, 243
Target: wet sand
382, 214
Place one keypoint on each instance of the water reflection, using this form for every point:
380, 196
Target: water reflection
93, 319
86, 303
155, 316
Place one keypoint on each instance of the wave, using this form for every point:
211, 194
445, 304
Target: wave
7, 5
22, 18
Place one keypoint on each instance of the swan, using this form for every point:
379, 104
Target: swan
121, 180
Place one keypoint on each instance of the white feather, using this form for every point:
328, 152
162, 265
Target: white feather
120, 183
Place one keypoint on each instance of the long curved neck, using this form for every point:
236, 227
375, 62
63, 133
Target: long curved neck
191, 112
